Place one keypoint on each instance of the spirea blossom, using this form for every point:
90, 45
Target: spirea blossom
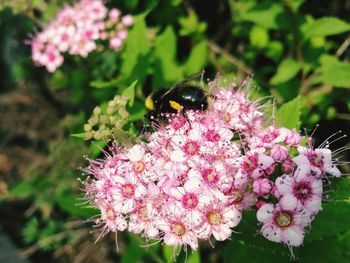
78, 30
193, 176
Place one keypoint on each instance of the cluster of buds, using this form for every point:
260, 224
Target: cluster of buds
105, 122
192, 177
76, 30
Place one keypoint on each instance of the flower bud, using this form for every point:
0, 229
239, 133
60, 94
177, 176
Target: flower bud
279, 153
287, 166
293, 138
115, 43
262, 186
275, 192
127, 20
260, 204
270, 170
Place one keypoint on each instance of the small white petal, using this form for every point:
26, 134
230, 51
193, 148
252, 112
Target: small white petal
265, 161
289, 202
284, 184
128, 206
271, 233
192, 185
177, 156
293, 236
140, 191
136, 153
265, 213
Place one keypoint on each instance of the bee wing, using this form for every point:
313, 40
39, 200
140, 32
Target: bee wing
183, 82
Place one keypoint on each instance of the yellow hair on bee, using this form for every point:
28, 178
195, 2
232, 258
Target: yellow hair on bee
175, 105
149, 103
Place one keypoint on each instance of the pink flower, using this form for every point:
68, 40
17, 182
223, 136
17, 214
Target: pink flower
177, 231
283, 223
254, 164
318, 161
218, 221
306, 189
114, 221
240, 198
192, 199
126, 191
77, 30
141, 220
51, 58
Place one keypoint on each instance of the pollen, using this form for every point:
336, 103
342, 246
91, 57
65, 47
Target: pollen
191, 148
210, 176
302, 190
110, 213
190, 201
237, 196
226, 117
214, 218
143, 214
283, 219
139, 166
179, 229
128, 190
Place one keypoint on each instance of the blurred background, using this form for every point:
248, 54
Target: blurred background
296, 49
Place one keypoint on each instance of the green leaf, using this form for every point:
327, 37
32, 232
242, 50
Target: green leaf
104, 84
194, 257
70, 204
325, 26
197, 58
259, 37
137, 111
95, 148
136, 53
329, 250
288, 115
131, 3
129, 92
338, 75
30, 232
341, 188
166, 70
22, 189
133, 252
168, 253
267, 14
247, 244
328, 61
274, 50
331, 221
190, 25
287, 70
78, 135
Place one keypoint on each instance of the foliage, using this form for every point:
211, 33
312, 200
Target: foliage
297, 50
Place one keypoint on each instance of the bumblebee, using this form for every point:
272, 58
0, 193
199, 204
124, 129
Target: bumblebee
181, 97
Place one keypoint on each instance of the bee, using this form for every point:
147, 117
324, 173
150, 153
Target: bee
179, 98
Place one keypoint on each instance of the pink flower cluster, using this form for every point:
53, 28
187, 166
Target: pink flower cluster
194, 176
76, 30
